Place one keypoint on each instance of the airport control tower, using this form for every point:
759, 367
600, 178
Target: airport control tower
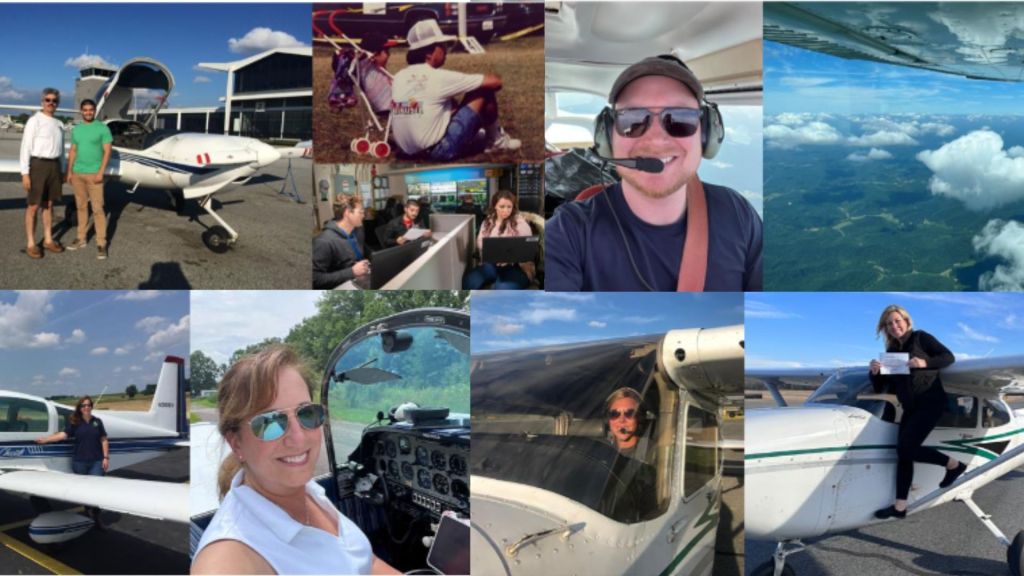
89, 82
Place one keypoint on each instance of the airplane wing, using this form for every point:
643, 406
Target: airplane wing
774, 379
34, 108
973, 40
987, 376
149, 499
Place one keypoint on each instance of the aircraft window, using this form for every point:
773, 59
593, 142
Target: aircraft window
701, 442
429, 369
961, 412
62, 418
23, 415
843, 387
539, 419
994, 414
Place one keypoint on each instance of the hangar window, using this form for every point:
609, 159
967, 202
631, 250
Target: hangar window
23, 415
701, 443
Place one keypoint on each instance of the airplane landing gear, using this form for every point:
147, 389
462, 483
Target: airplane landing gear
777, 565
1015, 555
217, 239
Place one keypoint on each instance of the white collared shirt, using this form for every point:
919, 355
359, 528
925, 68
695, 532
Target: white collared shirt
43, 137
289, 547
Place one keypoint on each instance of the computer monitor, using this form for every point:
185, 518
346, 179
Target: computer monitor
386, 264
502, 249
449, 554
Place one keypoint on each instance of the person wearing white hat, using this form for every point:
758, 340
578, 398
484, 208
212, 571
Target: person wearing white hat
427, 122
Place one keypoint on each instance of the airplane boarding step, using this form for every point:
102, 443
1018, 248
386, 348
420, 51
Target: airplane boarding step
970, 479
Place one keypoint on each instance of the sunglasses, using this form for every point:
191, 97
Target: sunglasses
86, 406
51, 101
629, 414
272, 425
677, 122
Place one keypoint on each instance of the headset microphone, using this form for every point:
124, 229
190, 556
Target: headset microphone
653, 165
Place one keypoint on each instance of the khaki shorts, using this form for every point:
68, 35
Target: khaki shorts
46, 181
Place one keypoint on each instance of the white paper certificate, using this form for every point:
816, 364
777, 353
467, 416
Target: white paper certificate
894, 363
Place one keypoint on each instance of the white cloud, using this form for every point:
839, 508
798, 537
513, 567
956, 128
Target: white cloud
973, 334
814, 133
88, 61
122, 350
150, 324
118, 370
596, 324
21, 323
69, 373
155, 356
169, 336
1003, 240
569, 296
260, 39
139, 295
99, 351
640, 319
882, 138
506, 328
720, 164
976, 170
758, 309
7, 90
201, 80
136, 369
541, 315
77, 336
874, 154
803, 81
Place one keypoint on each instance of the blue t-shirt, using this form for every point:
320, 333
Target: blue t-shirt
87, 436
585, 250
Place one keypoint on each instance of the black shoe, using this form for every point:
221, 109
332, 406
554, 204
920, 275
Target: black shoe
952, 475
890, 512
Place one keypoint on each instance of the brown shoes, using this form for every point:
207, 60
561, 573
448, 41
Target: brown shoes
101, 254
54, 247
78, 243
34, 252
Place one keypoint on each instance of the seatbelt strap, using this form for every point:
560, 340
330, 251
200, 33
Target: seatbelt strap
694, 266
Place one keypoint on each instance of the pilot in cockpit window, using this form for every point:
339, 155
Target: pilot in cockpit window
631, 493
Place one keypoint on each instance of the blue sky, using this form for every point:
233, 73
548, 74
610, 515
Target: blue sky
226, 320
44, 43
793, 330
508, 320
798, 80
79, 342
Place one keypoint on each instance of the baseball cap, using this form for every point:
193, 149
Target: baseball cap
665, 65
426, 33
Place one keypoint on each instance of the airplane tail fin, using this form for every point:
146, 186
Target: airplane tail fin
168, 408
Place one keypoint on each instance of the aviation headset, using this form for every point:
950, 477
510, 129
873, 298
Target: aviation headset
712, 130
642, 417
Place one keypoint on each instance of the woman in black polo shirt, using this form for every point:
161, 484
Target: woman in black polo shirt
91, 453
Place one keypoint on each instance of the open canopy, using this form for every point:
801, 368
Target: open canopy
115, 96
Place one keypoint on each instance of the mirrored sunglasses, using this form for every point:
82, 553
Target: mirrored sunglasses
677, 122
629, 414
272, 425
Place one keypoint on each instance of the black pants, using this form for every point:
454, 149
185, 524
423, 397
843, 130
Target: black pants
917, 423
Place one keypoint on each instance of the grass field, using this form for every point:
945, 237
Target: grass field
520, 63
140, 403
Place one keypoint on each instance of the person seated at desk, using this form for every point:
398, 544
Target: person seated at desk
339, 251
394, 232
503, 219
468, 206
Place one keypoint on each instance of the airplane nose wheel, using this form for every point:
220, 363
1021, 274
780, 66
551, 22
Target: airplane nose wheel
1015, 555
217, 239
777, 565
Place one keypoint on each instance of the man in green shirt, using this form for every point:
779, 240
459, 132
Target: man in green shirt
90, 151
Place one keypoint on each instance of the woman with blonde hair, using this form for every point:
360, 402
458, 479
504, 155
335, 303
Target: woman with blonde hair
273, 517
503, 219
923, 399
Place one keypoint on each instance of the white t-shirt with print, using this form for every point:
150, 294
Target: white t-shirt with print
422, 104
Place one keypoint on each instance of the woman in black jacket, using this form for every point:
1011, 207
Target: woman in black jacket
922, 397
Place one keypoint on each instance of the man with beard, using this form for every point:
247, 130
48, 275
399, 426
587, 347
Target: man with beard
631, 236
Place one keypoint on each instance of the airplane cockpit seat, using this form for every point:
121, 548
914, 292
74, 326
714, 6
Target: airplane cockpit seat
19, 426
128, 134
879, 408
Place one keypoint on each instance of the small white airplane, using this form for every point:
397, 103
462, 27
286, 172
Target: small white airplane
550, 492
825, 466
44, 470
7, 124
194, 165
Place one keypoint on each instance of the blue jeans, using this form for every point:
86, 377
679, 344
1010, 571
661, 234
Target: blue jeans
94, 468
503, 277
458, 139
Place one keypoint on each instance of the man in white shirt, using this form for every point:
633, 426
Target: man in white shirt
42, 147
426, 120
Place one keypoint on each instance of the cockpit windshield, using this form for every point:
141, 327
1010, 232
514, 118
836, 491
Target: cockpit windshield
425, 365
843, 387
566, 420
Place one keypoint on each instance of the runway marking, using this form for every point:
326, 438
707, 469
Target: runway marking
51, 564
